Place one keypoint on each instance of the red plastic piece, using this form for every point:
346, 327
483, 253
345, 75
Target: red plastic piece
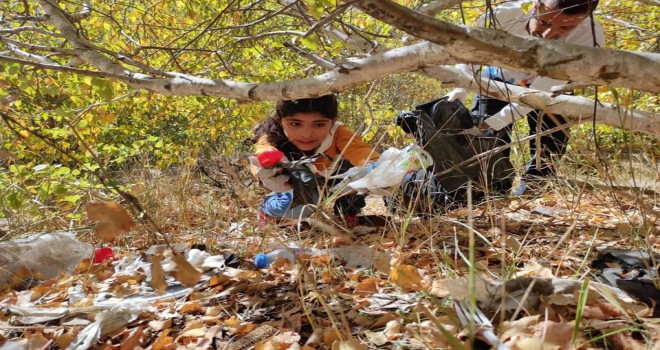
103, 254
270, 157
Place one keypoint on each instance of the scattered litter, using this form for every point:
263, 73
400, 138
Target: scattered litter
632, 271
533, 294
44, 256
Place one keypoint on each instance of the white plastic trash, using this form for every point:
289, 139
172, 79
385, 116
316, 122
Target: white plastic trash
48, 255
263, 260
393, 165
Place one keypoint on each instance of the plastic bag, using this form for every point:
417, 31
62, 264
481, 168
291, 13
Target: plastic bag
393, 165
47, 255
460, 152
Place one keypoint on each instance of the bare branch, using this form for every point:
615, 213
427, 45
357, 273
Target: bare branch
17, 30
84, 47
312, 57
32, 57
267, 34
545, 57
348, 73
327, 19
50, 49
576, 108
434, 7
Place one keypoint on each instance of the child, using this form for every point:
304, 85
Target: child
303, 128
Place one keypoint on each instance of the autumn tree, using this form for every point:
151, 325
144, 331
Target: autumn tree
269, 50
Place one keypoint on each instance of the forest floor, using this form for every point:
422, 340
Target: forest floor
414, 283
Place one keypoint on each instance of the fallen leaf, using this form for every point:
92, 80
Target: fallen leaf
438, 289
267, 345
64, 340
330, 336
163, 341
351, 344
37, 341
393, 329
428, 334
385, 319
133, 339
191, 308
532, 343
157, 275
159, 325
555, 333
406, 276
316, 338
376, 338
368, 286
512, 331
287, 338
111, 219
184, 272
190, 335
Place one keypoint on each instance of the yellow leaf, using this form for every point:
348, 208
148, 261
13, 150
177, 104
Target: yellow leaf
184, 272
107, 118
111, 219
406, 276
158, 275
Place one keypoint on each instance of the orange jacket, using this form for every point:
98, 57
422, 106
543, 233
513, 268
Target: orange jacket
340, 142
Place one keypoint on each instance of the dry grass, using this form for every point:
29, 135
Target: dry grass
554, 234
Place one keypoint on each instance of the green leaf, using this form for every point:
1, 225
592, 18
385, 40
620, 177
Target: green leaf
62, 171
64, 112
15, 201
103, 87
315, 9
73, 199
310, 42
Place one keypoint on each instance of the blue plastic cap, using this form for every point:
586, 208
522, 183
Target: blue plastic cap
261, 261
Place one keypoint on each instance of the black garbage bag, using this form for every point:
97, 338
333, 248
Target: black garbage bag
438, 127
306, 185
632, 271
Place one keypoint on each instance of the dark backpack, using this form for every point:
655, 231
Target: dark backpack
437, 127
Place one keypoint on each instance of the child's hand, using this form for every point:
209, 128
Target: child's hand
272, 178
274, 181
457, 94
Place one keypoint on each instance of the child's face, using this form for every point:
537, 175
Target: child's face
307, 130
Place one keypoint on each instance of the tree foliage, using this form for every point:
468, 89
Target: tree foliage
111, 83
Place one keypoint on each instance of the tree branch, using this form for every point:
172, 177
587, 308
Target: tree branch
576, 108
550, 58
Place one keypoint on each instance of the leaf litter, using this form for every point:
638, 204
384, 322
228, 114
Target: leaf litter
405, 285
